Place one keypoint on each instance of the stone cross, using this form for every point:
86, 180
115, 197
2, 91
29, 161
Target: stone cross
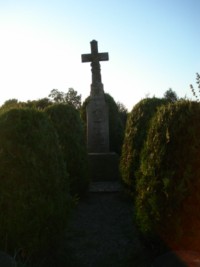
94, 58
97, 109
103, 164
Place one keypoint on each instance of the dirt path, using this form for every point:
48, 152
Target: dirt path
102, 233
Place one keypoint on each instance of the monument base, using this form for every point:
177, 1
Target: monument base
103, 167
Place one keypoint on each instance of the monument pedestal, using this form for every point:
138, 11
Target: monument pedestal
103, 166
97, 125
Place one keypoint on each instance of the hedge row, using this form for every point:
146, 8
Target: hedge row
135, 135
34, 191
69, 127
167, 181
42, 154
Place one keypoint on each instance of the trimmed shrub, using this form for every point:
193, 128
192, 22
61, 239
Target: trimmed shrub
116, 123
69, 127
34, 191
168, 184
39, 104
135, 136
11, 104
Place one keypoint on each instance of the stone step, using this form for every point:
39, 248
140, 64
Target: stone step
107, 186
103, 165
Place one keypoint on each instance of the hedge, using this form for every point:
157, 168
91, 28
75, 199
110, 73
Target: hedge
34, 191
168, 183
69, 127
135, 136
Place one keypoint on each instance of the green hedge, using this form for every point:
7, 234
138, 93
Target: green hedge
34, 191
69, 127
168, 183
135, 136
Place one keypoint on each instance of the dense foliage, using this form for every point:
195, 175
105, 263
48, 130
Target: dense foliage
171, 95
135, 135
168, 183
39, 104
34, 191
116, 122
196, 92
69, 127
70, 98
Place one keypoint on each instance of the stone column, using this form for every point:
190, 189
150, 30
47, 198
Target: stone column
97, 121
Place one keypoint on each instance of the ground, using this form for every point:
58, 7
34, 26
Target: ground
102, 233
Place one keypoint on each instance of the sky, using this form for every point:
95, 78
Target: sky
153, 45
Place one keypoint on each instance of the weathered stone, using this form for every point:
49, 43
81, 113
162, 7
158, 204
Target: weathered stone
97, 126
97, 110
105, 186
103, 166
94, 58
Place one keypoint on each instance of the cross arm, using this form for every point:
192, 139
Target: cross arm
86, 58
103, 56
90, 57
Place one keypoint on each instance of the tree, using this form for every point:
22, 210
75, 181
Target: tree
71, 97
171, 95
56, 96
10, 103
39, 104
192, 88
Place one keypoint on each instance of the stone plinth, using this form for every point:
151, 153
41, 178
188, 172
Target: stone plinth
103, 166
105, 187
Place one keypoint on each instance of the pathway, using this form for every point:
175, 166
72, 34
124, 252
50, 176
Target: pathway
102, 232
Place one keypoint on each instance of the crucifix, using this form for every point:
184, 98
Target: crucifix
94, 58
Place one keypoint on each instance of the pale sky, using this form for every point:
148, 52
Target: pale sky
153, 45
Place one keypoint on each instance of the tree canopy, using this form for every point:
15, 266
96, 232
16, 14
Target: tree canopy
71, 97
170, 95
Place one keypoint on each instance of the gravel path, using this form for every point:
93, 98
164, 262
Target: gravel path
102, 232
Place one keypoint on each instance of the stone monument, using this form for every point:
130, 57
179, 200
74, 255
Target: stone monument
97, 111
103, 163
